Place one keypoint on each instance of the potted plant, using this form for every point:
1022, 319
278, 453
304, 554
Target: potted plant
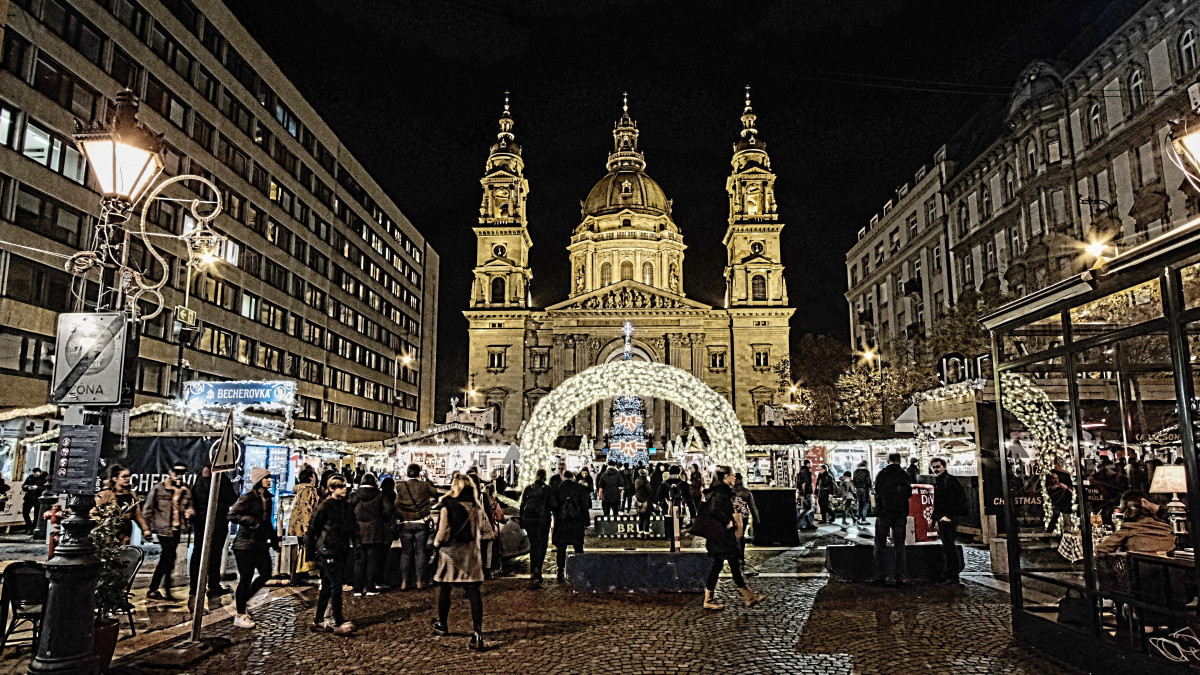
111, 586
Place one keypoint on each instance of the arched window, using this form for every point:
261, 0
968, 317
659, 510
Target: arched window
986, 199
648, 273
497, 290
1187, 50
626, 270
758, 287
1094, 125
964, 218
1031, 157
1010, 184
605, 274
1136, 90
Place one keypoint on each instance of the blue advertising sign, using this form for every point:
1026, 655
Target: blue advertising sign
244, 393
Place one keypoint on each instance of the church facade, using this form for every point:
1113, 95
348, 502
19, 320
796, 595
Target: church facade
627, 265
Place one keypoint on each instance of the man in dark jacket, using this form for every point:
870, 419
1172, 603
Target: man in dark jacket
610, 485
893, 487
226, 496
804, 498
684, 491
862, 489
627, 487
825, 488
914, 469
949, 504
535, 519
32, 489
414, 504
569, 504
328, 541
372, 512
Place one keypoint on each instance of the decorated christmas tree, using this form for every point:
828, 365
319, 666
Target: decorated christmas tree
628, 442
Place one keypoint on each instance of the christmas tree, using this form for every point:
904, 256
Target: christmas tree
628, 442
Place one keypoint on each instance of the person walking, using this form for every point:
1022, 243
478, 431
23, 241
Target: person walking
255, 537
460, 562
893, 488
743, 503
949, 505
534, 517
610, 490
226, 497
804, 499
677, 483
569, 504
825, 487
628, 485
31, 491
414, 504
167, 509
658, 473
849, 495
489, 530
643, 502
120, 492
585, 479
724, 548
304, 505
372, 513
862, 490
328, 539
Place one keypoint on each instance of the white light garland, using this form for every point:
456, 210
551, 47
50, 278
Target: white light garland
950, 392
646, 379
1034, 410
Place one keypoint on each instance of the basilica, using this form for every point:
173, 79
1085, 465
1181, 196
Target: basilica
627, 266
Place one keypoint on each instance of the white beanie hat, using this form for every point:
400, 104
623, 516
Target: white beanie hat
257, 474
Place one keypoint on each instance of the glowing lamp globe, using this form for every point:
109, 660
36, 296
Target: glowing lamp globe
125, 157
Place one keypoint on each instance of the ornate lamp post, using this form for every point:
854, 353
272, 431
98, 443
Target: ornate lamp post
126, 160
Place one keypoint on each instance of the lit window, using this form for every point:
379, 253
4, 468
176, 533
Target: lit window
1136, 89
1187, 50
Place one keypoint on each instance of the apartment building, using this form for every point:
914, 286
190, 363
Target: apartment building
322, 280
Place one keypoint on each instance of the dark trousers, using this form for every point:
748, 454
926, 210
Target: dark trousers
539, 535
29, 513
627, 500
366, 566
220, 535
896, 527
331, 588
611, 508
864, 502
250, 561
166, 562
560, 556
413, 538
473, 598
735, 568
644, 519
826, 508
948, 534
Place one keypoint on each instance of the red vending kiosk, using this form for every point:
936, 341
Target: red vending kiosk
920, 508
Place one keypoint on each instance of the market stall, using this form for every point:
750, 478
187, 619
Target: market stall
443, 449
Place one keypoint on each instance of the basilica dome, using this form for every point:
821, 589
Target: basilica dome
626, 189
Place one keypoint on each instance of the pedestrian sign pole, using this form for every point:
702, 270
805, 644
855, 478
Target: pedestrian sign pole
225, 458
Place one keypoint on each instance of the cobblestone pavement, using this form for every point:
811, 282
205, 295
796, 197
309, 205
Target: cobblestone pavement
807, 625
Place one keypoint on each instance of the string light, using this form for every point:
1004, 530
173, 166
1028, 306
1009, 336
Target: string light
1034, 410
616, 378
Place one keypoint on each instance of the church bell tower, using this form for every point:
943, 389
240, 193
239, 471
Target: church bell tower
502, 272
753, 270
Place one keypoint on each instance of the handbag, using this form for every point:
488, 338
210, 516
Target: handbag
1075, 611
705, 525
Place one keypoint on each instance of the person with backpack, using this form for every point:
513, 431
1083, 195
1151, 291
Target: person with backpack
372, 513
718, 513
893, 488
460, 561
569, 504
862, 490
535, 519
328, 539
610, 490
676, 490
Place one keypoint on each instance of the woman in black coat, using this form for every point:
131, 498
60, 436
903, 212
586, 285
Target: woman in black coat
373, 512
255, 537
328, 540
725, 548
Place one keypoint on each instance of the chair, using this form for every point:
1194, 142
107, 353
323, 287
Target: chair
131, 559
24, 594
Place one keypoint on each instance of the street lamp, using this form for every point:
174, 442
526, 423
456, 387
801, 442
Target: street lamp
1186, 143
126, 159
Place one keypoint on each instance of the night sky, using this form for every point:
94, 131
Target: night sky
852, 98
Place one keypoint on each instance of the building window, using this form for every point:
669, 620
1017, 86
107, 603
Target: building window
716, 359
626, 270
496, 360
758, 287
912, 226
937, 258
1187, 50
931, 210
854, 275
762, 357
497, 290
1053, 150
968, 269
989, 255
648, 273
986, 200
55, 82
605, 274
964, 219
54, 152
48, 217
1095, 128
1031, 157
1136, 90
35, 284
1010, 184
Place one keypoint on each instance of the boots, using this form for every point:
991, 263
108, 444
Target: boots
750, 596
710, 601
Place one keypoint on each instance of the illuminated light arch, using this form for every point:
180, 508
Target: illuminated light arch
727, 443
